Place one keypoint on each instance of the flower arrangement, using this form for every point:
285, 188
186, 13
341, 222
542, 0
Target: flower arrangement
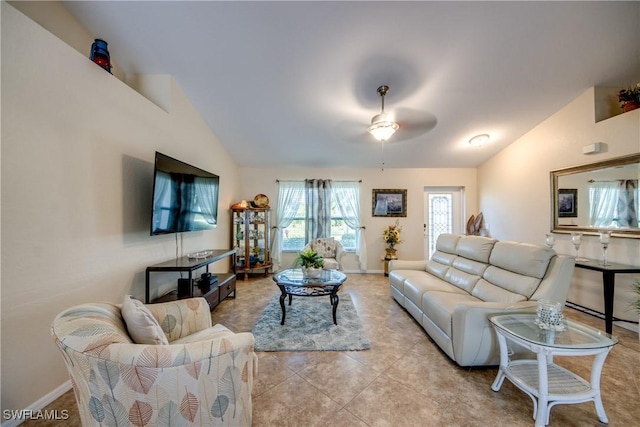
635, 286
391, 234
631, 95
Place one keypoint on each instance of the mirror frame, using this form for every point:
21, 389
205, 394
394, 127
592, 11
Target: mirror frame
556, 228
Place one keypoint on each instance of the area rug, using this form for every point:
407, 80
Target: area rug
309, 326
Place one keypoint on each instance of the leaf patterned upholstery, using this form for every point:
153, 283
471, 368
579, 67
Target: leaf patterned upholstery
203, 377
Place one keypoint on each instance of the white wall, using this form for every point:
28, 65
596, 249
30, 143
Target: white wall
77, 165
256, 180
515, 190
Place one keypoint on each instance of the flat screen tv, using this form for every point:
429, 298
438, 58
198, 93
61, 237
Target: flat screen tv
185, 198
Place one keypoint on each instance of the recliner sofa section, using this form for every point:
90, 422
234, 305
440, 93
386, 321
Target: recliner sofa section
469, 278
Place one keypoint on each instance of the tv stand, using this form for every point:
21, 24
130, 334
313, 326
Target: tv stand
214, 294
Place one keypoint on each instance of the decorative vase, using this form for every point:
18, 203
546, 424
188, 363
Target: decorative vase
391, 254
630, 105
311, 272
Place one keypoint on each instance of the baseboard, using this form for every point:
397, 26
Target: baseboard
363, 272
39, 404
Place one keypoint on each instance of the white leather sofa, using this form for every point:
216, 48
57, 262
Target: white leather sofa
467, 279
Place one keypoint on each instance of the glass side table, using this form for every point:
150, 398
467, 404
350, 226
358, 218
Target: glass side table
546, 383
292, 282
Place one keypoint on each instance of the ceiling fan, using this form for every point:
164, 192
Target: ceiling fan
401, 124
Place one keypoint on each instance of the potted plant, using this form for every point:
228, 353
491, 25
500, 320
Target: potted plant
310, 262
629, 98
635, 287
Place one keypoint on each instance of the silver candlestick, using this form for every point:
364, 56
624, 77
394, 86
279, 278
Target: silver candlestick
576, 239
550, 240
605, 238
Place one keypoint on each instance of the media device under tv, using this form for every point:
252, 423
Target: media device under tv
185, 198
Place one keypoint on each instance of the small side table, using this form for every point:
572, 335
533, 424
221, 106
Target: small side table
546, 383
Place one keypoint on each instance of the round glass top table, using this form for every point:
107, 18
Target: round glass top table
292, 282
546, 383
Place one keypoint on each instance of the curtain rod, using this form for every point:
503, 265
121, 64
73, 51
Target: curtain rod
298, 180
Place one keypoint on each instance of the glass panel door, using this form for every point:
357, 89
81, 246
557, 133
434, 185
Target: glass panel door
443, 214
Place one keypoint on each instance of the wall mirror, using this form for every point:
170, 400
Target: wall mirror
597, 196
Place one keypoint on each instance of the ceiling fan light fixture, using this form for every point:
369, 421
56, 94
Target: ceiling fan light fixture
382, 127
479, 140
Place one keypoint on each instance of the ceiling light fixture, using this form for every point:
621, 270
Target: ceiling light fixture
382, 125
479, 140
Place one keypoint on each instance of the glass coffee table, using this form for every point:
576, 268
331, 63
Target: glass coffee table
291, 282
546, 383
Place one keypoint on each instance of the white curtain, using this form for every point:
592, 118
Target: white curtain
162, 214
289, 196
347, 196
206, 191
603, 201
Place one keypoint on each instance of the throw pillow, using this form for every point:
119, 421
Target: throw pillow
326, 248
142, 326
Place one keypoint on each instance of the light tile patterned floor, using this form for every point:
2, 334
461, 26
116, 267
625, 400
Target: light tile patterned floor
404, 380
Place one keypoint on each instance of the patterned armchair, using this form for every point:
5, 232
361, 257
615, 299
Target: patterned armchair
204, 376
330, 250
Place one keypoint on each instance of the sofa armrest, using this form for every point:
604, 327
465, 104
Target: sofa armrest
182, 317
473, 338
173, 355
402, 264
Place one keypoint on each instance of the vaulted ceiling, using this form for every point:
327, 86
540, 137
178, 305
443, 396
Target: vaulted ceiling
293, 84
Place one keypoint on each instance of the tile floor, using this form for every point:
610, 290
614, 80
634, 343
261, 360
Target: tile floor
404, 380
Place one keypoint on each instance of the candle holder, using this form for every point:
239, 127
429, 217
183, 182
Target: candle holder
549, 315
576, 239
605, 238
550, 240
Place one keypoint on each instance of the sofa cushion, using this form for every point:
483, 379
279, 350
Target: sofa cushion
462, 280
437, 269
141, 325
439, 307
213, 333
512, 282
522, 258
447, 242
415, 287
489, 292
443, 257
397, 278
477, 248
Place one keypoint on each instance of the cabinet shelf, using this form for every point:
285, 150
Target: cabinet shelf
214, 294
250, 237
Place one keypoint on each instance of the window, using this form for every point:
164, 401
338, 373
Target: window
293, 235
614, 204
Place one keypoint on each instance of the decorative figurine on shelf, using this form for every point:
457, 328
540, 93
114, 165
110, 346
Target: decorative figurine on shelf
391, 236
100, 54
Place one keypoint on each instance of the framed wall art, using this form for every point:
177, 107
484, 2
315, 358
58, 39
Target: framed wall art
392, 203
567, 203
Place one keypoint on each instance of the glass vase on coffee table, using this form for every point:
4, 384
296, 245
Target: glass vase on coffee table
576, 239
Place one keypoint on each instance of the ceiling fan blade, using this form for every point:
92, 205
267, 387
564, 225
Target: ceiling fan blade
352, 132
413, 123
